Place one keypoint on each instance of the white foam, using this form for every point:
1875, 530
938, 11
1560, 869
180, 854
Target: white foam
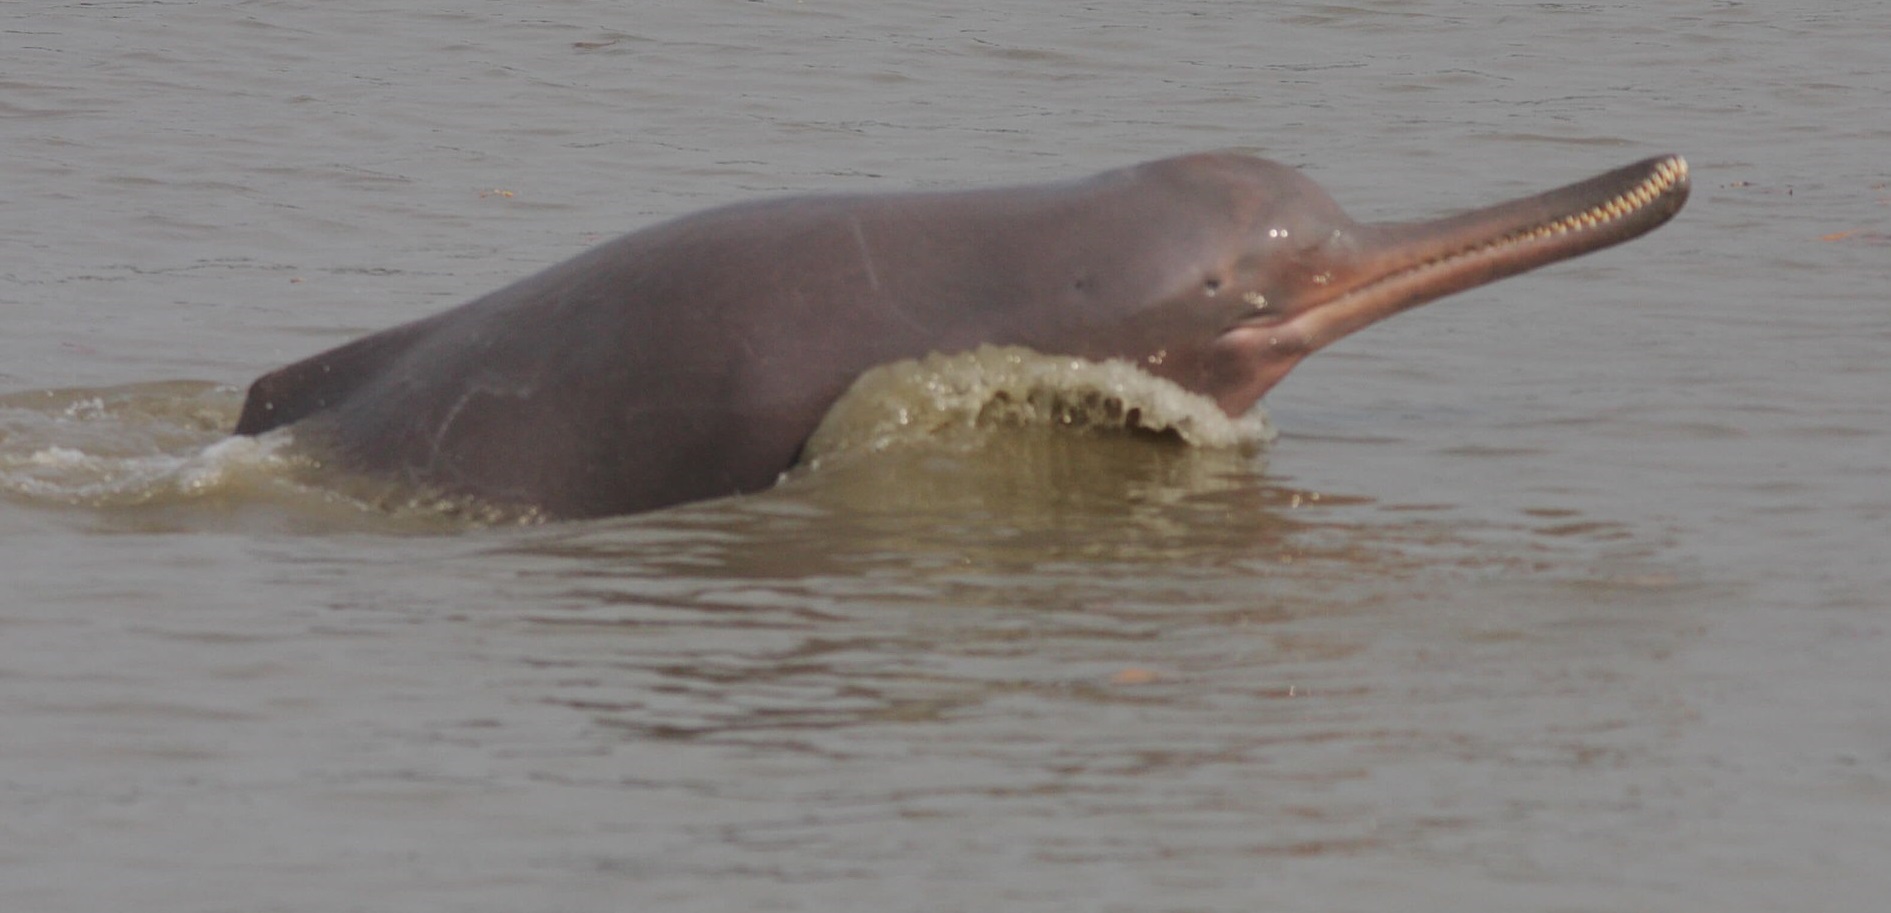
57, 457
140, 444
213, 467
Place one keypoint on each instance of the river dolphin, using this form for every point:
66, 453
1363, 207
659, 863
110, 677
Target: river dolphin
692, 359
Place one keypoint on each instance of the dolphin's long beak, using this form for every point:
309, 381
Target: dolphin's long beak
1389, 267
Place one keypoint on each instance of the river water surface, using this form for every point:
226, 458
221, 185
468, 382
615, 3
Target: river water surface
1564, 594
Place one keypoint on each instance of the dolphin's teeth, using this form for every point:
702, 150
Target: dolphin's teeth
1666, 174
1663, 178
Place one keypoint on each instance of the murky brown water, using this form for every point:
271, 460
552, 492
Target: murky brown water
1564, 594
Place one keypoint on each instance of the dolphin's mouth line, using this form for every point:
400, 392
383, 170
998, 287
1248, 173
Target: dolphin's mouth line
1664, 177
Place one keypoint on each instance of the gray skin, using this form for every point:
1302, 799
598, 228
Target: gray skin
692, 359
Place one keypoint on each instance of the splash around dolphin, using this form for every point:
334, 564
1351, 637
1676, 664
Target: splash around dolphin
693, 359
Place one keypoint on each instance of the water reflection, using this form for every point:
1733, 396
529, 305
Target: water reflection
1066, 644
927, 584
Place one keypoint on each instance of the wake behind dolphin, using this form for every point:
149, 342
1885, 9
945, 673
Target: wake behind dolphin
694, 359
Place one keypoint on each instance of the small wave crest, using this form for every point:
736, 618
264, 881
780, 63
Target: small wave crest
129, 446
62, 474
916, 401
124, 446
167, 447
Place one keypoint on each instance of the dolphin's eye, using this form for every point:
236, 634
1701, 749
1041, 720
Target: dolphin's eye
1210, 286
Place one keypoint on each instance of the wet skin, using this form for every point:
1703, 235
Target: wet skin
692, 359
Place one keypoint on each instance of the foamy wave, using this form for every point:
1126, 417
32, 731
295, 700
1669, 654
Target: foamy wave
165, 445
910, 401
64, 474
126, 446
